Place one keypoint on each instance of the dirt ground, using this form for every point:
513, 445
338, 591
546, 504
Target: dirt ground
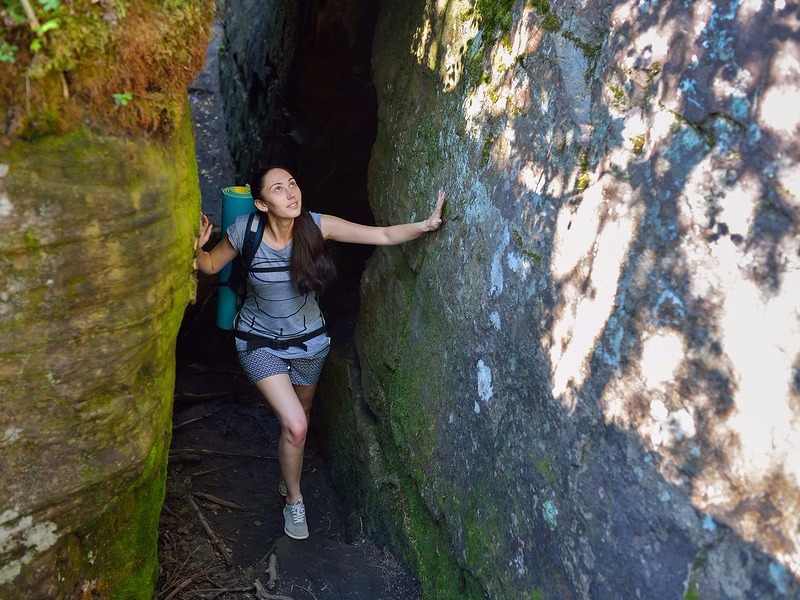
221, 529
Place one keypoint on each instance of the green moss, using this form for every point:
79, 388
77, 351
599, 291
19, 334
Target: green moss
428, 138
638, 144
590, 51
583, 160
691, 592
547, 471
552, 22
584, 179
494, 14
486, 150
541, 6
496, 18
148, 49
31, 242
535, 257
474, 69
127, 566
430, 554
619, 97
380, 486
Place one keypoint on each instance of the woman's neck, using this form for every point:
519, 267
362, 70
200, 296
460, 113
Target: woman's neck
278, 232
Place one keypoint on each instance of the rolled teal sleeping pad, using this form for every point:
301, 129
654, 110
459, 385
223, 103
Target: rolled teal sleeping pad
236, 200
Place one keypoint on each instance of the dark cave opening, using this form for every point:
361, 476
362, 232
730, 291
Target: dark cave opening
327, 126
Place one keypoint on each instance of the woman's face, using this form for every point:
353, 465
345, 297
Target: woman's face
280, 194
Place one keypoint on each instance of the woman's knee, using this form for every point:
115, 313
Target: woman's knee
295, 430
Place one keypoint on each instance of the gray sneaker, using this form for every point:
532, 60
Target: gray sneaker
282, 488
294, 517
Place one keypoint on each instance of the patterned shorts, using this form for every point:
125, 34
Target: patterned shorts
261, 363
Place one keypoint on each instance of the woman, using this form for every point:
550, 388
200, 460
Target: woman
280, 330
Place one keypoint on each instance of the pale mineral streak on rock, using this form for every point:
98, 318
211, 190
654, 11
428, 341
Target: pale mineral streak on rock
23, 540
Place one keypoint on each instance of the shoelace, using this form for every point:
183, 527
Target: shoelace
298, 512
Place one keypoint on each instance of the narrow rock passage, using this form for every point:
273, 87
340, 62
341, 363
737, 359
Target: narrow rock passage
221, 530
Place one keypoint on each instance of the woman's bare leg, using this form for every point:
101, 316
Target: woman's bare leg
292, 415
305, 394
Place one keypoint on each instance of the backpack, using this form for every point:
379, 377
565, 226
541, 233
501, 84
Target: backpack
240, 268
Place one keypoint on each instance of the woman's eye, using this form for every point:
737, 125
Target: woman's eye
278, 188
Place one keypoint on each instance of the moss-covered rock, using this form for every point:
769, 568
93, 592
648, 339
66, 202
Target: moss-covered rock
122, 65
96, 245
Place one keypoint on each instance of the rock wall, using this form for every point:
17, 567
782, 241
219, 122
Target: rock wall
96, 242
99, 209
587, 384
255, 55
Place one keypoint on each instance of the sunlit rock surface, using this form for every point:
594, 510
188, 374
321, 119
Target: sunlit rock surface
591, 374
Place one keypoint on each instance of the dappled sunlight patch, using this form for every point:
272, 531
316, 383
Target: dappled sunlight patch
587, 263
661, 354
762, 338
778, 108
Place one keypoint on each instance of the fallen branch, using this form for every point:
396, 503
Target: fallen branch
200, 418
307, 590
220, 501
272, 571
190, 397
262, 594
226, 554
194, 451
186, 582
206, 472
181, 457
180, 587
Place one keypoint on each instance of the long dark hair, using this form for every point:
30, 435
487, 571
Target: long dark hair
311, 266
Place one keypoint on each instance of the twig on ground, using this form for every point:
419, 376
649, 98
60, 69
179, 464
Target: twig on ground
227, 421
183, 457
186, 582
226, 554
220, 501
191, 451
169, 510
307, 590
218, 591
206, 472
190, 397
272, 571
171, 582
262, 594
269, 552
200, 418
180, 587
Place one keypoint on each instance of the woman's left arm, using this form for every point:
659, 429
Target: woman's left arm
334, 228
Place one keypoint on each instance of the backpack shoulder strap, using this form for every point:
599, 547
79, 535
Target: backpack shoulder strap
252, 237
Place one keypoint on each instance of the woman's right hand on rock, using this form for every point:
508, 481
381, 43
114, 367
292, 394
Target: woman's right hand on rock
205, 232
